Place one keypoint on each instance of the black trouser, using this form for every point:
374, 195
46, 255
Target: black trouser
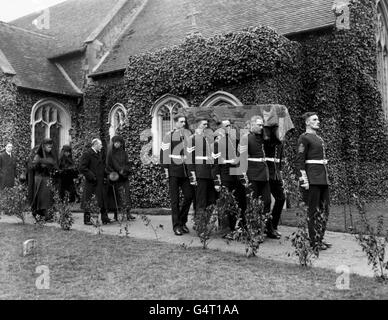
317, 200
262, 189
240, 195
179, 215
205, 194
277, 192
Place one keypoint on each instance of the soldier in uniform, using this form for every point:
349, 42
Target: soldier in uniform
226, 159
312, 170
273, 149
201, 168
172, 155
257, 173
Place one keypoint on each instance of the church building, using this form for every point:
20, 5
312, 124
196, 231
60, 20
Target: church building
68, 72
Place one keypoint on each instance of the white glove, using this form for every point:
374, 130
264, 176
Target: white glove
304, 180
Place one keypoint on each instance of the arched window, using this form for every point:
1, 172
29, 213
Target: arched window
221, 98
116, 118
50, 119
162, 114
382, 52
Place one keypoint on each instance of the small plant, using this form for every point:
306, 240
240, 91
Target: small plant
13, 201
122, 213
250, 227
94, 210
61, 209
185, 246
300, 240
205, 224
372, 242
226, 206
148, 223
253, 228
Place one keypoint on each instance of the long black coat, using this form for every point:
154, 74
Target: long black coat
7, 170
92, 166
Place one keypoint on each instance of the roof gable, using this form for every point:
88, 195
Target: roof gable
26, 53
70, 22
164, 23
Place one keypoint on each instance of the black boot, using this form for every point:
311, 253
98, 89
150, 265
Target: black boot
270, 230
104, 217
87, 219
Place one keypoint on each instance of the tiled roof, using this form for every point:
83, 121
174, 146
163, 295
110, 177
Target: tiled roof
25, 51
164, 23
70, 23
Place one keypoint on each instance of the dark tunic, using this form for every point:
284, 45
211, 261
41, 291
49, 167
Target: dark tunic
92, 166
257, 170
7, 171
226, 159
312, 147
173, 152
200, 152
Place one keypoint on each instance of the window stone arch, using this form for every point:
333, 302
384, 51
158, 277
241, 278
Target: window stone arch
382, 52
50, 119
116, 118
221, 98
162, 113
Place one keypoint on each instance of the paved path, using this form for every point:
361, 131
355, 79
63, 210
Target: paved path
345, 250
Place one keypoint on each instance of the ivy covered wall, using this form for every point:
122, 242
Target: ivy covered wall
332, 72
339, 80
15, 110
256, 65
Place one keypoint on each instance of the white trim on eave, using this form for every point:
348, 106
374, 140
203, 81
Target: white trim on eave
5, 66
105, 21
133, 18
67, 77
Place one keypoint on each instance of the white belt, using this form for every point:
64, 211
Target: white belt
228, 161
202, 158
173, 156
257, 159
273, 160
316, 161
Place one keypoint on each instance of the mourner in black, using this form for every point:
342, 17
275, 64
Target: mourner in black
226, 167
273, 149
201, 168
92, 166
45, 167
257, 173
172, 158
118, 169
311, 163
7, 167
68, 171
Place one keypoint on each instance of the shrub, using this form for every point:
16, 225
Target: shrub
13, 201
373, 242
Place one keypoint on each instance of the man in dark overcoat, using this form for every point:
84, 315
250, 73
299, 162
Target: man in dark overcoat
92, 166
7, 168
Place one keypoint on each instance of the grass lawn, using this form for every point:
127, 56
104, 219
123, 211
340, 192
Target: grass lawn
86, 266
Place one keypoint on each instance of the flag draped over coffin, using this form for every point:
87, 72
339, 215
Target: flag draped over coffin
274, 115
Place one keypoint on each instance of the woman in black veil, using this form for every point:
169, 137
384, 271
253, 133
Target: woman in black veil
67, 173
45, 166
